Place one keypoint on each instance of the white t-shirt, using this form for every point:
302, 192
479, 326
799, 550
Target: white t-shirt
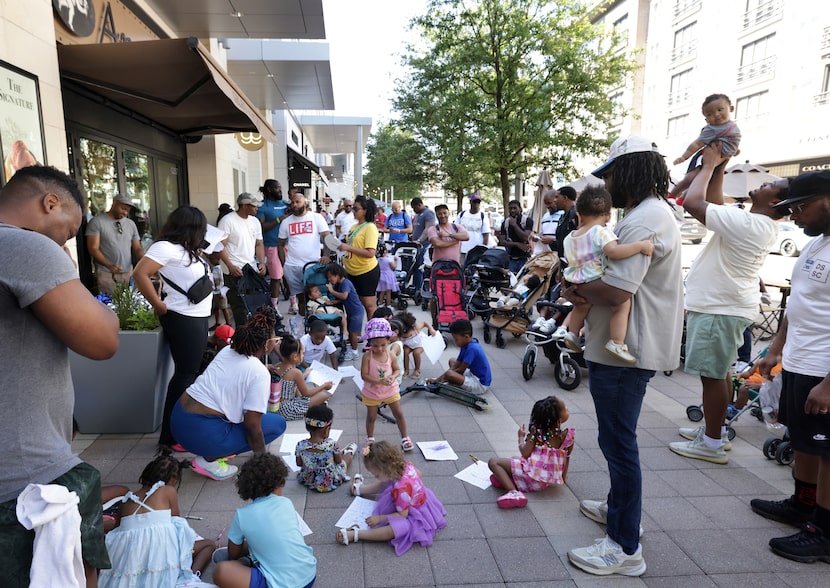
344, 220
807, 350
724, 276
476, 225
243, 233
177, 266
314, 352
232, 384
302, 235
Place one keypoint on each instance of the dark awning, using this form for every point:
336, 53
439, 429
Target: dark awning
302, 160
173, 82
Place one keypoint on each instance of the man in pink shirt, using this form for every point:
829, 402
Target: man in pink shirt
446, 237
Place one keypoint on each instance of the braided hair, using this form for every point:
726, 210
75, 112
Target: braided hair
636, 176
163, 468
545, 420
250, 338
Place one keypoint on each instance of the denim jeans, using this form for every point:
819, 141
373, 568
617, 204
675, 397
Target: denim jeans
516, 265
618, 397
418, 274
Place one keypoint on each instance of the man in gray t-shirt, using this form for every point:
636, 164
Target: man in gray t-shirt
423, 220
113, 241
44, 309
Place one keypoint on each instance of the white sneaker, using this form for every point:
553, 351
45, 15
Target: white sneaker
572, 342
606, 557
559, 333
538, 324
215, 470
351, 355
691, 434
697, 449
597, 510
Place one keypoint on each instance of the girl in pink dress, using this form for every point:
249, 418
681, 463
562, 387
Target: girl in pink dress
379, 371
407, 512
545, 451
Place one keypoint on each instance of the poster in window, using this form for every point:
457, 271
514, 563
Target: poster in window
21, 123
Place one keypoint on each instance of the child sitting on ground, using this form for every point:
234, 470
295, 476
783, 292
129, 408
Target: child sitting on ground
151, 540
268, 530
517, 295
412, 343
717, 109
407, 512
317, 345
379, 371
316, 303
471, 369
586, 249
545, 451
322, 464
343, 290
295, 397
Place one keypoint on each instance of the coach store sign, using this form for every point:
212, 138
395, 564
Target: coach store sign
98, 21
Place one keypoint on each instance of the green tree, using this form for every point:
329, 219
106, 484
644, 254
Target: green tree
499, 87
395, 159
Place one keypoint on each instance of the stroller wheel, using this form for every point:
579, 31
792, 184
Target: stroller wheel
529, 362
756, 412
668, 372
487, 336
499, 341
567, 373
424, 304
516, 335
784, 454
695, 413
471, 315
730, 433
770, 447
402, 304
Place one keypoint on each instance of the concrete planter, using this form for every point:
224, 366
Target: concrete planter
124, 394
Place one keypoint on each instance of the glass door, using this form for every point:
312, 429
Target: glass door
99, 175
168, 190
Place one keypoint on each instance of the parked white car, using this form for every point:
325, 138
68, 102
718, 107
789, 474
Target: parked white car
791, 240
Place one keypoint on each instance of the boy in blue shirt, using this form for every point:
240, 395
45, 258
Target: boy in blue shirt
343, 290
471, 369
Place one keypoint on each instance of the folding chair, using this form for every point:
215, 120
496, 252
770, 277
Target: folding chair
766, 328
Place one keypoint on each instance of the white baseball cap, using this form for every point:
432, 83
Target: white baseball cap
624, 146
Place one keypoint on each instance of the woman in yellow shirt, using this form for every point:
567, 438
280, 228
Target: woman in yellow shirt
361, 264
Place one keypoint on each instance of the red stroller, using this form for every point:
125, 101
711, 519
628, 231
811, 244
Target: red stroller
447, 285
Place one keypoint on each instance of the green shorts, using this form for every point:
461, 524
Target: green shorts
712, 342
16, 542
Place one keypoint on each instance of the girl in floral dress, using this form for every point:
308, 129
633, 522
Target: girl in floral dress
323, 465
407, 512
545, 452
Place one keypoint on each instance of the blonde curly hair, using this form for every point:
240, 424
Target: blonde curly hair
387, 458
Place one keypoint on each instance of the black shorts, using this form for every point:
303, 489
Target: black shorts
366, 284
809, 433
16, 542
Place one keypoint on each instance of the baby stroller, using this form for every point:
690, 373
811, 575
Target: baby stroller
515, 319
407, 252
490, 275
447, 284
255, 291
315, 274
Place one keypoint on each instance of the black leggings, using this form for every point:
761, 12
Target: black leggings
187, 337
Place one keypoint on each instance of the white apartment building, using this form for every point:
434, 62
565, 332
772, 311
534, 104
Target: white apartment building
771, 57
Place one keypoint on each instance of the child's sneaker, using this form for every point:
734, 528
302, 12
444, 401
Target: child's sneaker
215, 470
494, 482
572, 342
538, 324
513, 499
620, 351
559, 333
497, 304
294, 309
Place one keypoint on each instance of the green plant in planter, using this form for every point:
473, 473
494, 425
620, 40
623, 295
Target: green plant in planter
133, 310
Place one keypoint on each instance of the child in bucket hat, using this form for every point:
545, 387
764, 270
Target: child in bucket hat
379, 371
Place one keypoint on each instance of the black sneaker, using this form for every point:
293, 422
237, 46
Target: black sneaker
783, 511
808, 546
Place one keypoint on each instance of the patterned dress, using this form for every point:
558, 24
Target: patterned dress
426, 515
545, 467
319, 472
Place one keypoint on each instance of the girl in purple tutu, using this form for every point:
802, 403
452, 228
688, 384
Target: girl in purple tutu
387, 283
407, 512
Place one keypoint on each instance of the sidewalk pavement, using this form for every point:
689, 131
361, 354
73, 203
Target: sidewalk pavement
698, 528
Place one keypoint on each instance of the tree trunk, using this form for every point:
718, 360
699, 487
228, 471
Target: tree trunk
504, 177
459, 200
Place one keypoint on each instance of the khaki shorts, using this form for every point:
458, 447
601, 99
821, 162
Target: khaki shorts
219, 302
712, 342
473, 385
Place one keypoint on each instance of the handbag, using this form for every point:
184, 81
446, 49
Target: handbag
201, 288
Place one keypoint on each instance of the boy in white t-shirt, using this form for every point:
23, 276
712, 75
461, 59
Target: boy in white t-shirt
317, 344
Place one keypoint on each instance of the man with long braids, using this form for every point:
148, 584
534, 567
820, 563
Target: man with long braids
638, 180
225, 411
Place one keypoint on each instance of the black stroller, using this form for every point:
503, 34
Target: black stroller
490, 275
255, 291
407, 252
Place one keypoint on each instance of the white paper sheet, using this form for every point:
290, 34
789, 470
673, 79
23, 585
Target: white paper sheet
290, 440
437, 450
357, 513
434, 346
291, 463
352, 372
213, 236
321, 373
304, 528
477, 474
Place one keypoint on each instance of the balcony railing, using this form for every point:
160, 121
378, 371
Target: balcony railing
685, 7
680, 97
825, 38
757, 69
762, 12
687, 51
821, 99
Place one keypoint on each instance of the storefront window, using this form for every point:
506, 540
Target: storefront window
98, 174
138, 179
168, 192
